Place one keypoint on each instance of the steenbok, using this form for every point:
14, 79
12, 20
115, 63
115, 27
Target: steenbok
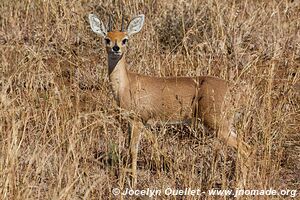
168, 99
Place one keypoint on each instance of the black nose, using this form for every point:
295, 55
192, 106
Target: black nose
116, 48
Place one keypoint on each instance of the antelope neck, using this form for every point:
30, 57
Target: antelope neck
117, 74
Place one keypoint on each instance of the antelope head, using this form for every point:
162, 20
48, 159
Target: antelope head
116, 41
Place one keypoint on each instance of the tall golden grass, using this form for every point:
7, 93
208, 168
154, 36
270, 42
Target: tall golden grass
63, 137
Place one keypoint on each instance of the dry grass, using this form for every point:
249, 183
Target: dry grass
61, 137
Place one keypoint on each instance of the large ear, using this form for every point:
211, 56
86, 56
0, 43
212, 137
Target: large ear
97, 25
135, 24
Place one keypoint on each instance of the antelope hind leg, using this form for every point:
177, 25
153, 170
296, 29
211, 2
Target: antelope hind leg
228, 134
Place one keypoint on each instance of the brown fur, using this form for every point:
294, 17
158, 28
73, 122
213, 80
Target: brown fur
170, 99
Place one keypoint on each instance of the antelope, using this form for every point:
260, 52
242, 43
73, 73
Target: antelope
166, 99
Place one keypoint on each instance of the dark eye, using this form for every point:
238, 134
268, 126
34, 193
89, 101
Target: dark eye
107, 41
124, 41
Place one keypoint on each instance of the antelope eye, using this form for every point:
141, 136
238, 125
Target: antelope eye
124, 41
107, 41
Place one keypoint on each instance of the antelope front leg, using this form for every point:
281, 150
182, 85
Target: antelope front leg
134, 147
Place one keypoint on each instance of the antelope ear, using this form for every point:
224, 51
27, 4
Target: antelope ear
135, 24
97, 25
